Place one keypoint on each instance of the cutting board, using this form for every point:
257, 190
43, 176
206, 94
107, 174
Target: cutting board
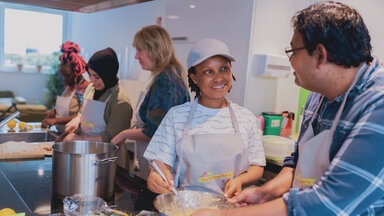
42, 150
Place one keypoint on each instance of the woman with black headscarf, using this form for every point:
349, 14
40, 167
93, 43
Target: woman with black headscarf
107, 110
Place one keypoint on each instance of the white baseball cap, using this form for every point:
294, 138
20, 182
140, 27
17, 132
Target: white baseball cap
205, 49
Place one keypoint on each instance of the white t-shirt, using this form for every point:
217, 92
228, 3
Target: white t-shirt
162, 146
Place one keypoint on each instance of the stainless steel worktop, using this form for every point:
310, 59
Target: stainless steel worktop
25, 186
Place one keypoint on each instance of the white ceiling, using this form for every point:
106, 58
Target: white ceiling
86, 6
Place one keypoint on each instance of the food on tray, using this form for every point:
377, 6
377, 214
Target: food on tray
47, 148
110, 212
11, 124
7, 211
24, 126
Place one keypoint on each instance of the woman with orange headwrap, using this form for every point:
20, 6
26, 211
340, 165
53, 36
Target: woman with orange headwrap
69, 103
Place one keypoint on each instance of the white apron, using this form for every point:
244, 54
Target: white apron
62, 108
92, 116
208, 161
313, 158
139, 162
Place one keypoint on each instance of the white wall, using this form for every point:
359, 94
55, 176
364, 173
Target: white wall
272, 32
247, 26
225, 20
27, 85
115, 28
372, 13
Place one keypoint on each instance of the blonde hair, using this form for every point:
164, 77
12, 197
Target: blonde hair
158, 44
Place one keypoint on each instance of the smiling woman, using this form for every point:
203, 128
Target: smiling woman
194, 133
213, 78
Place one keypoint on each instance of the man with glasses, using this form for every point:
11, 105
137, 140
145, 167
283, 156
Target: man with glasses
337, 166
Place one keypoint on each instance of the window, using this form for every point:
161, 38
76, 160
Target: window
30, 36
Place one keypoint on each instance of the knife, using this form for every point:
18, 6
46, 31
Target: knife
61, 137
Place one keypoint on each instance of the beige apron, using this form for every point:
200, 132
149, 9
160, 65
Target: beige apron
208, 161
62, 108
92, 116
313, 158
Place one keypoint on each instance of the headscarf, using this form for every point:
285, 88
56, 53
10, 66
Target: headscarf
70, 55
106, 65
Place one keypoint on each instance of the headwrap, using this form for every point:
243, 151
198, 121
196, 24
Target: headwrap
106, 65
70, 55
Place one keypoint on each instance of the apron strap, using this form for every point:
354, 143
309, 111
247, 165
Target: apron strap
66, 89
317, 109
234, 119
113, 90
340, 111
357, 77
189, 118
73, 93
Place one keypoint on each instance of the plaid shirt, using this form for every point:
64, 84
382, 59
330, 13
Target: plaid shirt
354, 182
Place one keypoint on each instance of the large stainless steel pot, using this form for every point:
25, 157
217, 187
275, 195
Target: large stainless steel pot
83, 167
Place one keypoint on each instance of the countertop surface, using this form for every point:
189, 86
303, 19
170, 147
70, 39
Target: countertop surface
25, 186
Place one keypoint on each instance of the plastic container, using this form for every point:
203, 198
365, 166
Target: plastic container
286, 124
272, 123
276, 148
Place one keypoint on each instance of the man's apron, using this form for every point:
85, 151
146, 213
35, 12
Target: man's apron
208, 161
62, 108
313, 158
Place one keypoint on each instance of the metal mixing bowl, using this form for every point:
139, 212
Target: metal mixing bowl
186, 202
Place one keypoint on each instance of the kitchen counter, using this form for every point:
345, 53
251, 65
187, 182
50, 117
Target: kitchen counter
25, 186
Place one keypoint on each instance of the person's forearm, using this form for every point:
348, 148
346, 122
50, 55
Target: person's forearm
280, 184
51, 113
136, 134
65, 119
274, 207
251, 175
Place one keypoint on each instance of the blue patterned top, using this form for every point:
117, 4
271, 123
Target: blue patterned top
167, 91
354, 182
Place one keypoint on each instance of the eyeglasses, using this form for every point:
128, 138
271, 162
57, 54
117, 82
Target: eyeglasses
289, 51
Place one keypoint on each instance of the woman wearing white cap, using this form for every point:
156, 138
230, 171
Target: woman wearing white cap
209, 144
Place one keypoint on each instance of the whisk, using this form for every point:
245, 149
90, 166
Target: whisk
158, 170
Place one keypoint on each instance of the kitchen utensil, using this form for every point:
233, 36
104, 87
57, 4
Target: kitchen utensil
158, 170
61, 137
84, 167
192, 201
276, 148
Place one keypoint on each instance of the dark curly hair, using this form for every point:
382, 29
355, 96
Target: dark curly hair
195, 88
339, 28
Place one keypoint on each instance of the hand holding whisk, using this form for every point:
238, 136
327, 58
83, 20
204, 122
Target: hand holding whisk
161, 173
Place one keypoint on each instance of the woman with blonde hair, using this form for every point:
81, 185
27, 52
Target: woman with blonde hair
167, 88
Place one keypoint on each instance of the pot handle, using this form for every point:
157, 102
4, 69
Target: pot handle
104, 161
